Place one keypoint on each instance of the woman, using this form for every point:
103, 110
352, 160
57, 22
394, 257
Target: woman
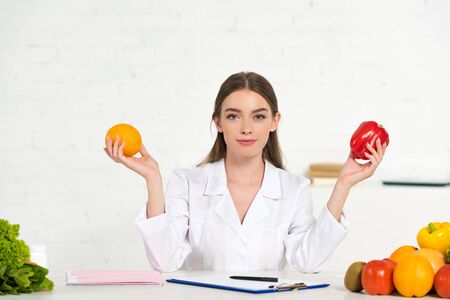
239, 210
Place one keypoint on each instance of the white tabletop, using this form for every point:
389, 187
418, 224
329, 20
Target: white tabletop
335, 291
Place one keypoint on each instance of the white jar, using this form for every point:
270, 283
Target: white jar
38, 255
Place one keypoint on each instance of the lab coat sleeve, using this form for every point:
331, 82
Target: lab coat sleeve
310, 242
165, 236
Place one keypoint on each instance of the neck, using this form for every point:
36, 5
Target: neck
244, 169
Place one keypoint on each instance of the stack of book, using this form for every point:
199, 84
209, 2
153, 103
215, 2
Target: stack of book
324, 173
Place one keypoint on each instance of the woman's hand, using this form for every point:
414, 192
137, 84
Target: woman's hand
352, 172
145, 165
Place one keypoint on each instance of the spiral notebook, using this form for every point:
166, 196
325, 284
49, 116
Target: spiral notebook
246, 286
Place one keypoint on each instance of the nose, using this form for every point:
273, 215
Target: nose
246, 128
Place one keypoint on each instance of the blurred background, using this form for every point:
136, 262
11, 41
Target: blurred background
69, 70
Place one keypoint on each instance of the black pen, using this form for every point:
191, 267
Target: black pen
268, 279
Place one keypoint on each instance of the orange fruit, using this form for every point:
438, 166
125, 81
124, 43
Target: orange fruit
434, 257
413, 276
127, 134
402, 252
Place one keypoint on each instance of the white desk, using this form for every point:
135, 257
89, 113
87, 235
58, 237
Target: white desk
178, 291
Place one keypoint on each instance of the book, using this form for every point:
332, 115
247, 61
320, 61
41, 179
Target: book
331, 167
324, 174
107, 277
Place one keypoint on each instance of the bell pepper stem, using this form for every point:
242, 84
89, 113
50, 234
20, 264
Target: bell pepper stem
431, 228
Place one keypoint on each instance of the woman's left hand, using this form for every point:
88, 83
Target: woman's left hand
352, 172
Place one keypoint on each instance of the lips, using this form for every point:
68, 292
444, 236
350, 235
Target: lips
246, 142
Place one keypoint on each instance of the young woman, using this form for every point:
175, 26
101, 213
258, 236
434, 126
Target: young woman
239, 210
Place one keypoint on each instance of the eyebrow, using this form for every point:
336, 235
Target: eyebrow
239, 111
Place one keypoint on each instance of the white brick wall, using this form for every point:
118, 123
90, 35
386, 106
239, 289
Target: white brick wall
71, 69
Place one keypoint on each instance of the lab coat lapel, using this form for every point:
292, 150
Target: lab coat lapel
226, 210
270, 190
257, 211
271, 185
216, 187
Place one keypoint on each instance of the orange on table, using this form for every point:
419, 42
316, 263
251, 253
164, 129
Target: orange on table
434, 257
402, 252
413, 276
129, 134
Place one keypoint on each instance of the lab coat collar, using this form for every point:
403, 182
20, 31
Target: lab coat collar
216, 182
271, 185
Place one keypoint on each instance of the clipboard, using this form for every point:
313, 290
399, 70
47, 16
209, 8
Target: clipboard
254, 287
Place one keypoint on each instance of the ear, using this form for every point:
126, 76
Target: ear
275, 121
217, 123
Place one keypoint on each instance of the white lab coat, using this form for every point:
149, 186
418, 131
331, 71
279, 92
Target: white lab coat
201, 227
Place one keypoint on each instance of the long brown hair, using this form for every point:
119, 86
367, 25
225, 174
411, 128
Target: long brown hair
256, 83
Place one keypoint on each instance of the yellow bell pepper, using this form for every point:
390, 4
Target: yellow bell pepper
435, 236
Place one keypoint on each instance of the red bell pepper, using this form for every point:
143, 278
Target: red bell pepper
367, 133
378, 277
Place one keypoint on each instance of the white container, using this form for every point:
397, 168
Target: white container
38, 255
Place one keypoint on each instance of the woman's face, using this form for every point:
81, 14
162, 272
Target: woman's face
246, 121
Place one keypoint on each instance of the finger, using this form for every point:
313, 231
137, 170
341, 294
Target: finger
383, 149
379, 148
122, 158
107, 152
373, 161
116, 147
372, 151
371, 157
109, 146
370, 166
144, 152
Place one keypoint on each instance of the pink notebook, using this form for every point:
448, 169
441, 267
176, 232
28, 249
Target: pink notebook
100, 277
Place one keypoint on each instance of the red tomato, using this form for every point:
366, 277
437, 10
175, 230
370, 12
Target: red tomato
377, 277
367, 133
442, 281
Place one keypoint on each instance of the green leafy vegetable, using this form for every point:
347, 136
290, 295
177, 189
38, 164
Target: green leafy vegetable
17, 273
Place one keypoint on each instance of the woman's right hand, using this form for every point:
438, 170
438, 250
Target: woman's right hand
145, 165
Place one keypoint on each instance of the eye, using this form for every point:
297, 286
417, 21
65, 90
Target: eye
260, 117
231, 117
